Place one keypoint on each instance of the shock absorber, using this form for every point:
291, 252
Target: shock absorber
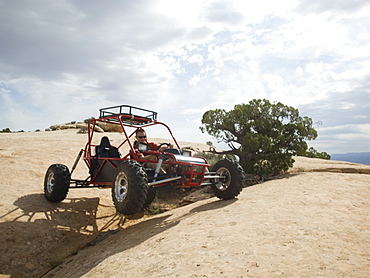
76, 161
158, 168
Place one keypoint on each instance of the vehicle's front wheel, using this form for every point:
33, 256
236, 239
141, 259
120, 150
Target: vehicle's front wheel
150, 197
231, 182
129, 187
56, 183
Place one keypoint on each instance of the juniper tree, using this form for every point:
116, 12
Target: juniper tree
262, 134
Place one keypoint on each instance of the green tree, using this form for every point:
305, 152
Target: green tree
311, 152
88, 119
209, 143
263, 135
6, 130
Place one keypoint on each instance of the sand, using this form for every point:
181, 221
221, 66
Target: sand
313, 222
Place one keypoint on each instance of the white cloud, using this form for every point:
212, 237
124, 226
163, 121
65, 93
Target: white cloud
196, 59
62, 61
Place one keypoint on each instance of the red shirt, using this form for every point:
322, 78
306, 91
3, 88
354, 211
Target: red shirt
151, 146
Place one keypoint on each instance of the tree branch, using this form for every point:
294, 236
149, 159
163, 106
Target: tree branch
213, 150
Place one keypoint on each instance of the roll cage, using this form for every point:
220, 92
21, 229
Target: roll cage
102, 159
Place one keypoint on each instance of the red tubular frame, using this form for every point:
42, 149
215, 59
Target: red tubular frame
191, 177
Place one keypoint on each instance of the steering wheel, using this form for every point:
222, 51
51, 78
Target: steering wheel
162, 144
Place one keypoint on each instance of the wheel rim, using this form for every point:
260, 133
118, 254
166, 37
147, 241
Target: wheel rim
121, 186
50, 182
224, 182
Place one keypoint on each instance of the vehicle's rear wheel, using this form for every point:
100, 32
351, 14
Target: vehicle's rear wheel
56, 183
231, 183
129, 187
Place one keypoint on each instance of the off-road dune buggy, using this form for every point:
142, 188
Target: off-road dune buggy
134, 185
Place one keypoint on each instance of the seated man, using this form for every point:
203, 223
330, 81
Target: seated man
141, 138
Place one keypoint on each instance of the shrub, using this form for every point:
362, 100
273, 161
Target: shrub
213, 158
6, 130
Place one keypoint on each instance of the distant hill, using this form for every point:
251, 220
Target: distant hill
362, 158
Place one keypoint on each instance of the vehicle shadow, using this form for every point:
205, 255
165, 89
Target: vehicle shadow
128, 238
37, 234
40, 235
217, 204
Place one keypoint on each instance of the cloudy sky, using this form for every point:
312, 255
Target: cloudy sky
62, 60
